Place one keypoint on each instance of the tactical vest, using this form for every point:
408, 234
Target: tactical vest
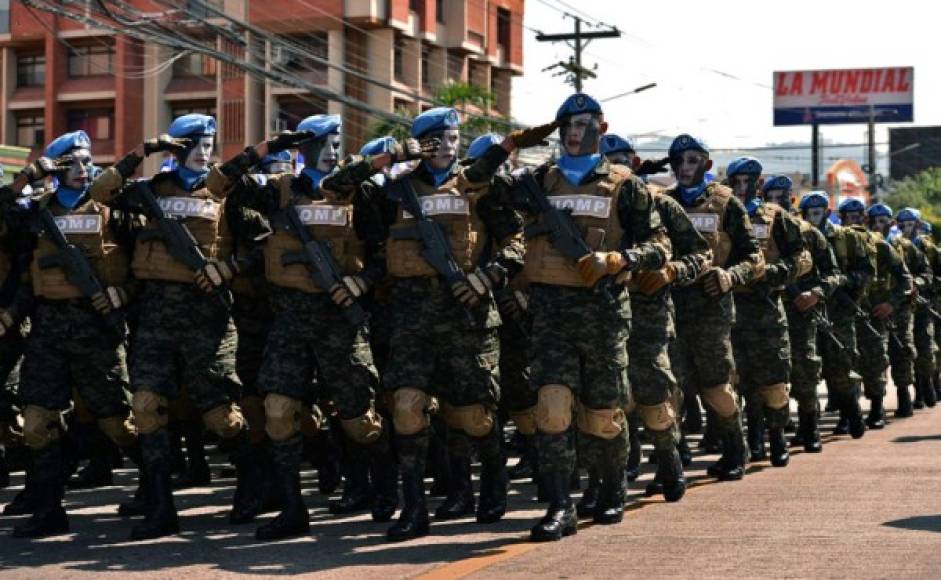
595, 212
807, 229
708, 217
763, 226
329, 223
849, 246
86, 226
453, 204
634, 282
200, 211
883, 282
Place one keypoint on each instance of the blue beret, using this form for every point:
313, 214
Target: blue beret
378, 145
437, 119
65, 143
686, 142
744, 165
926, 227
777, 182
321, 125
614, 144
279, 157
851, 204
480, 145
192, 125
879, 209
814, 199
908, 214
577, 104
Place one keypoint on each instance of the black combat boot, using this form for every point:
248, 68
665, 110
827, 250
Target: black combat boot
919, 402
731, 465
876, 418
560, 519
438, 462
49, 517
197, 471
460, 499
385, 480
140, 503
357, 493
586, 506
98, 448
686, 454
905, 403
4, 470
712, 439
854, 418
413, 519
756, 435
493, 477
692, 422
669, 479
635, 454
780, 456
249, 496
24, 502
525, 467
610, 507
809, 433
927, 388
936, 383
294, 519
161, 518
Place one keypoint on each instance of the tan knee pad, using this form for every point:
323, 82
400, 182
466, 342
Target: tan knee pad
150, 411
657, 417
475, 420
41, 426
225, 420
364, 429
554, 409
525, 420
410, 412
602, 423
253, 409
281, 414
776, 396
118, 429
722, 400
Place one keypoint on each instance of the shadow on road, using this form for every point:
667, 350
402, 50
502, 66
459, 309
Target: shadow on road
916, 438
917, 523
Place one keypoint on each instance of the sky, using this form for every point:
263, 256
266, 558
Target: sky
693, 49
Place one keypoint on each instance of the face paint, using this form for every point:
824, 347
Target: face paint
621, 157
78, 175
198, 157
816, 215
852, 218
778, 196
581, 134
329, 153
447, 150
744, 186
689, 167
909, 228
880, 224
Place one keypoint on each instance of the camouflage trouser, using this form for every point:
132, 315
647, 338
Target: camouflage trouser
925, 346
648, 347
69, 347
701, 355
435, 348
515, 390
902, 353
11, 353
762, 351
310, 338
579, 339
184, 337
253, 319
873, 356
806, 364
838, 363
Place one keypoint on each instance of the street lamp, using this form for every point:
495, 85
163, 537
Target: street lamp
632, 92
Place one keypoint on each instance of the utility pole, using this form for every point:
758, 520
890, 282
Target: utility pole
573, 69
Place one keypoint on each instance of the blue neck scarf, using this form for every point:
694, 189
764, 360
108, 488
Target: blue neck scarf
691, 194
752, 205
315, 176
574, 169
188, 177
439, 175
68, 197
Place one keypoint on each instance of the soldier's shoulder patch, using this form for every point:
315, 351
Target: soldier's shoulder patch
323, 215
190, 207
79, 224
596, 206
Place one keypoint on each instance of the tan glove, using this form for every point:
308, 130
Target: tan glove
113, 298
6, 322
805, 301
648, 283
413, 149
215, 274
166, 143
532, 136
44, 167
342, 296
718, 282
597, 265
356, 285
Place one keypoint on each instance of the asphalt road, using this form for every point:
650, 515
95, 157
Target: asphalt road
869, 508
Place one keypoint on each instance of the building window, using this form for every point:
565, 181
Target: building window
398, 58
439, 11
194, 65
97, 123
91, 60
30, 129
455, 67
4, 16
31, 70
425, 65
416, 6
503, 28
200, 108
315, 44
293, 111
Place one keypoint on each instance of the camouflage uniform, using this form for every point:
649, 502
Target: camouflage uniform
924, 323
930, 247
702, 353
760, 340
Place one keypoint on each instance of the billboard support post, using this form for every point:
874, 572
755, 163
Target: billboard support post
871, 158
815, 155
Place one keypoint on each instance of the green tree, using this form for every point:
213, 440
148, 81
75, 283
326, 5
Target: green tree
922, 191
